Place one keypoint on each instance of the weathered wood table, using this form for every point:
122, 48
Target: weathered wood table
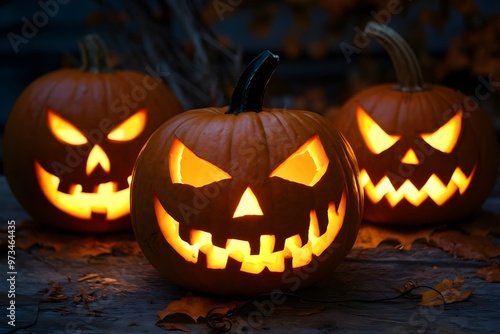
82, 284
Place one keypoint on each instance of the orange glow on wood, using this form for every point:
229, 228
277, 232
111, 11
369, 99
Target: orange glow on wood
376, 139
268, 257
187, 168
105, 200
306, 165
434, 188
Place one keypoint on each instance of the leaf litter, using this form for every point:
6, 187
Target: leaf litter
445, 292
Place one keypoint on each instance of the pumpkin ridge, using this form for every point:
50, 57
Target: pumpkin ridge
266, 140
61, 85
279, 117
290, 132
48, 92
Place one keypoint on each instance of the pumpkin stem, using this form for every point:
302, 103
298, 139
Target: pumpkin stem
249, 91
94, 54
405, 62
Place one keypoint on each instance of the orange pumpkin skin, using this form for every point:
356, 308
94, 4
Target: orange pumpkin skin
247, 146
410, 110
91, 101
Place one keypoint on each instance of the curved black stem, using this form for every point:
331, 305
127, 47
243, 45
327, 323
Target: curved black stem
403, 58
94, 54
249, 91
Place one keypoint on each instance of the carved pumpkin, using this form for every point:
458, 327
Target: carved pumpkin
424, 158
249, 200
72, 138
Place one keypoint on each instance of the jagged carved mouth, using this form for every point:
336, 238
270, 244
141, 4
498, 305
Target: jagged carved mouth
434, 188
105, 201
294, 248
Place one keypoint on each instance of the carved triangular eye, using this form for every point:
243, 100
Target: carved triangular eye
445, 138
129, 128
188, 168
375, 138
306, 165
63, 130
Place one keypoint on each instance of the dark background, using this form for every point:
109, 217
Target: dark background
455, 41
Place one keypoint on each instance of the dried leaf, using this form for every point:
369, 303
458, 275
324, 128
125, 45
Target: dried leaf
465, 246
88, 276
53, 294
195, 307
448, 290
171, 326
490, 274
107, 280
370, 236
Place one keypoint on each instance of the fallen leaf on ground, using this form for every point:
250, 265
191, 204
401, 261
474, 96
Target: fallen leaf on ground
196, 307
470, 247
172, 326
370, 235
54, 293
88, 276
449, 292
93, 287
490, 274
106, 280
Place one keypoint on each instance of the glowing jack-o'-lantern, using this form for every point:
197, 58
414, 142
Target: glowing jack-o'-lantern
72, 138
424, 156
242, 202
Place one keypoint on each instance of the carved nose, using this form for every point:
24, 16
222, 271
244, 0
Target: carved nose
410, 158
248, 205
97, 157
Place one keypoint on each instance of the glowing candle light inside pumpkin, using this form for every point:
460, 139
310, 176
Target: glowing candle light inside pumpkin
106, 199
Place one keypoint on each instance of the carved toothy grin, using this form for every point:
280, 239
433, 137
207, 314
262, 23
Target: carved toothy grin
104, 201
239, 250
434, 188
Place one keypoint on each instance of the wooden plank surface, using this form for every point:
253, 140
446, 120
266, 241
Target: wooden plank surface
135, 291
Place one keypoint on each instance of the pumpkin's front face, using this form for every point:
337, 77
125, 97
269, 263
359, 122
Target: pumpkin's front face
69, 152
239, 204
423, 157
